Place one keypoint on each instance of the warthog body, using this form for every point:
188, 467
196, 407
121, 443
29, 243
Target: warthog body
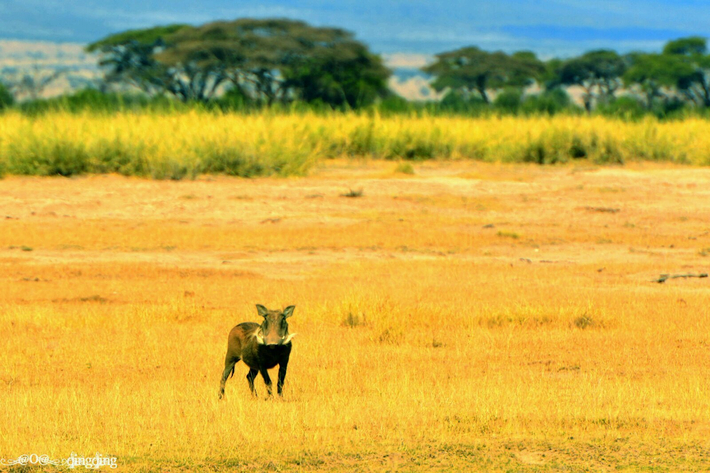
261, 347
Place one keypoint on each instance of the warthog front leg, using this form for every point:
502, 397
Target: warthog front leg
282, 378
267, 380
250, 377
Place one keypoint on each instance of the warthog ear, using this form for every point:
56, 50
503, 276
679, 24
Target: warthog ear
288, 311
263, 311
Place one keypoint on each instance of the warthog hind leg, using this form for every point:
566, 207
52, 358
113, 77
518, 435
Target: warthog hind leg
228, 370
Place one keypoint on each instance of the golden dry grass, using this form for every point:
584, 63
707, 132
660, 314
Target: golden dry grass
469, 317
186, 144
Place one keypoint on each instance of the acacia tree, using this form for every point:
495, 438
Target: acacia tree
471, 70
342, 74
129, 57
283, 60
248, 53
654, 75
550, 78
693, 77
271, 60
597, 72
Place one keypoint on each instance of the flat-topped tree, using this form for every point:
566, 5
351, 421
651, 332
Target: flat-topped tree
341, 74
129, 57
525, 70
654, 74
471, 70
550, 78
689, 47
248, 53
597, 72
282, 60
693, 81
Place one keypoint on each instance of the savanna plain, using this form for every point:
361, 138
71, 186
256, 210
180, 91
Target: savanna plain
450, 316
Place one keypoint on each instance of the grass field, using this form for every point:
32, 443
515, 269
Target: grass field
186, 144
461, 316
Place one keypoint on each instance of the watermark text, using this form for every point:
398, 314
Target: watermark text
93, 462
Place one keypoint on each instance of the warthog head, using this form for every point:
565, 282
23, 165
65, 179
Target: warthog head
274, 328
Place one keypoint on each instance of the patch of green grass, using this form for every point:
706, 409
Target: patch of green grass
507, 234
404, 168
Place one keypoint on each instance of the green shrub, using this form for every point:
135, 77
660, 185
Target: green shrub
549, 102
395, 104
362, 140
6, 98
626, 107
509, 100
95, 101
233, 163
120, 157
174, 170
455, 102
608, 152
49, 158
553, 147
577, 149
404, 168
234, 100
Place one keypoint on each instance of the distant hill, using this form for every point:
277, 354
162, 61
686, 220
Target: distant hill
412, 84
40, 57
407, 78
42, 53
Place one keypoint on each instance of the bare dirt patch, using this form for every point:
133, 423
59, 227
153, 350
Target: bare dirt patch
588, 215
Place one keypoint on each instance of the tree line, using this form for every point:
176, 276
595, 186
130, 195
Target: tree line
678, 75
264, 62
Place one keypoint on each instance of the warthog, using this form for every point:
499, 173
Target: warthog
261, 347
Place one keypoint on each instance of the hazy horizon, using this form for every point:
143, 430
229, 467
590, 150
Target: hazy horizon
406, 33
414, 28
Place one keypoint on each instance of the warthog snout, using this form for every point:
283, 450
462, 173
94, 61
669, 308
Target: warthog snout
274, 329
261, 346
284, 339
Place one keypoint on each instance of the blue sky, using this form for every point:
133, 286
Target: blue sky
549, 28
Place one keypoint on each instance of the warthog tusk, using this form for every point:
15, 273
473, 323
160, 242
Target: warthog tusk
289, 338
259, 338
